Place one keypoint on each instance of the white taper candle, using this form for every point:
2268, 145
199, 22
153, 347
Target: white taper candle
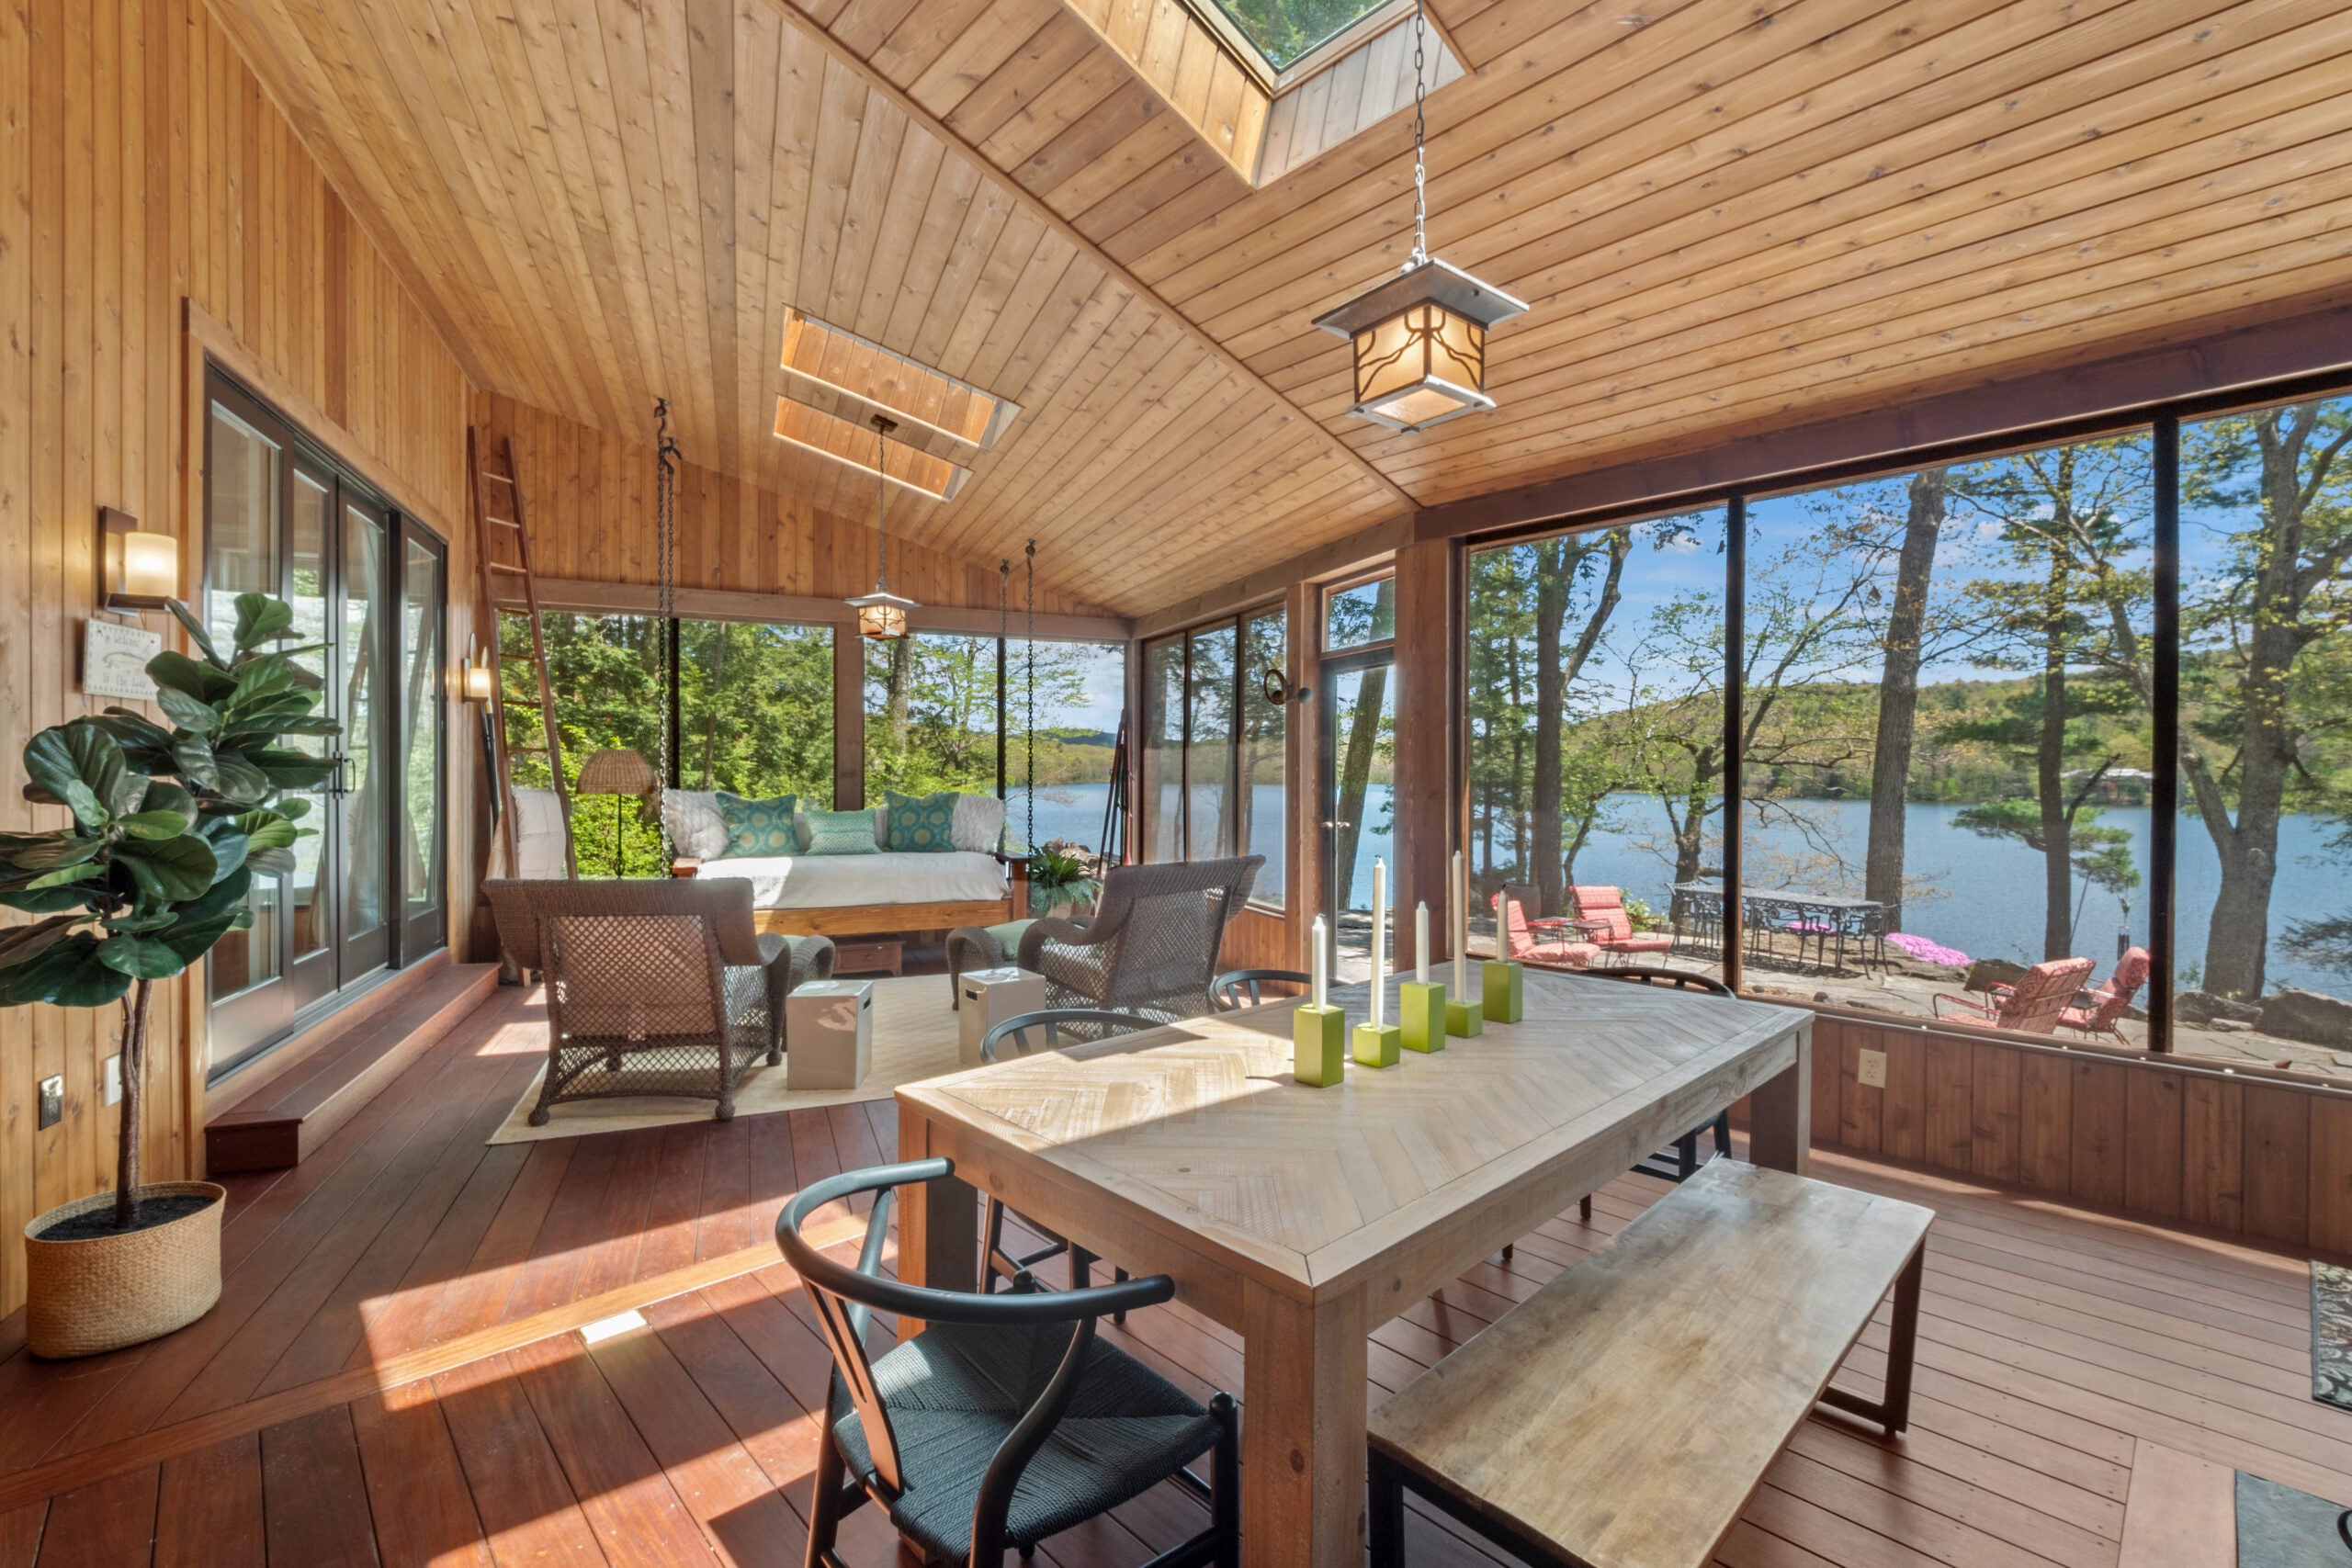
1320, 964
1379, 940
1421, 941
1458, 896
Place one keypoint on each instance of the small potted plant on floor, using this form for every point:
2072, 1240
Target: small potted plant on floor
1059, 882
168, 829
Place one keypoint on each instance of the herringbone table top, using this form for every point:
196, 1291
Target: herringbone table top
1202, 1123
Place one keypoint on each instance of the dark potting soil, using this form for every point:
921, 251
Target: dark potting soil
146, 1214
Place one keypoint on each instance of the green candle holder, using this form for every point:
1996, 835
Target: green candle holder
1464, 1018
1421, 1011
1376, 1044
1318, 1043
1504, 990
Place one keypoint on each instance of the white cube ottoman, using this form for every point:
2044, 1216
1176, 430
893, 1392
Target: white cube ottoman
829, 1034
986, 998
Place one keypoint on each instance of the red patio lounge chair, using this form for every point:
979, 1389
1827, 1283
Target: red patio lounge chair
1535, 940
2113, 995
1602, 910
2033, 1004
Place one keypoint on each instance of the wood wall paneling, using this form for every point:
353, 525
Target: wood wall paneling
2179, 1144
149, 190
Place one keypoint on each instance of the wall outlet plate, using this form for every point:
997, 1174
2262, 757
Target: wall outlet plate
1872, 1072
113, 1090
52, 1100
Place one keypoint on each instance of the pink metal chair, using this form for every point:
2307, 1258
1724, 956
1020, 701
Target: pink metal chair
1603, 911
2033, 1005
2108, 999
1534, 939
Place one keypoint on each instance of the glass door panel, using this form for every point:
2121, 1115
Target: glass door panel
1358, 749
245, 473
312, 513
361, 799
1208, 768
419, 838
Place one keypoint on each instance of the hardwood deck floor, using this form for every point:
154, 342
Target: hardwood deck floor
390, 1376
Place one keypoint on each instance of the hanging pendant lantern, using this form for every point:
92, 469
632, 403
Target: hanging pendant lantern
882, 614
1419, 339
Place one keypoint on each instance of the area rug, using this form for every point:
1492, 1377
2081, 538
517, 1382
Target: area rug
2279, 1527
2332, 1335
915, 1037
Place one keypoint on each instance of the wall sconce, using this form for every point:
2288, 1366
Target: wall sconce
476, 681
137, 570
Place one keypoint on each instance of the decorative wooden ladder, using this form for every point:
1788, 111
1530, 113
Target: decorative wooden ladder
496, 478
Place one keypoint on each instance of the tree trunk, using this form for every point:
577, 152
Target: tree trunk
134, 1096
901, 681
1553, 568
1898, 694
1354, 780
2050, 773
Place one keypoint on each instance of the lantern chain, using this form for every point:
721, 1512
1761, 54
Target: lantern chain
1420, 137
1029, 681
665, 549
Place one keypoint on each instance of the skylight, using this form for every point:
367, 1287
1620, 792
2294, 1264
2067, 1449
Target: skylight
1286, 31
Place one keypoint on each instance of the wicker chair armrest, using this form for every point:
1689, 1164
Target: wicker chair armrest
1067, 934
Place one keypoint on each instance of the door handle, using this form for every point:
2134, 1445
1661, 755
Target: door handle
1339, 824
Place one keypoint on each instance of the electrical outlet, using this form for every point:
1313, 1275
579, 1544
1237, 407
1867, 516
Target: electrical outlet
114, 1079
52, 1100
1872, 1073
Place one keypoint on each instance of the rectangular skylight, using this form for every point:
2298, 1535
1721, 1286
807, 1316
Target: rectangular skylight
829, 435
839, 373
1286, 31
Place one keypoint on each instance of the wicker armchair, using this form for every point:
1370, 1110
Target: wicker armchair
654, 987
1152, 944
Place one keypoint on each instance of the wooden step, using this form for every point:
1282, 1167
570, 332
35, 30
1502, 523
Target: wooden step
283, 1120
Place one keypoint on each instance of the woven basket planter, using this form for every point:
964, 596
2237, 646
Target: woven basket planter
104, 1293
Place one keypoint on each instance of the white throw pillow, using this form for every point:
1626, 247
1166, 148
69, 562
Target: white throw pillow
980, 823
538, 837
696, 829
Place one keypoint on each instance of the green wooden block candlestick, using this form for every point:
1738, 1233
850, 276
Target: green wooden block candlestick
1421, 1009
1318, 1043
1504, 990
1464, 1018
1376, 1044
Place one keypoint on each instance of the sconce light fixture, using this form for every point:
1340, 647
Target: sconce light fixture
137, 569
474, 683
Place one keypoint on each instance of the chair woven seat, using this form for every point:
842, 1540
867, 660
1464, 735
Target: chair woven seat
956, 1391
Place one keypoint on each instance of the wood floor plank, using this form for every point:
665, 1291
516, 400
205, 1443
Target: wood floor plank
315, 1495
519, 1491
638, 1514
415, 1486
20, 1531
209, 1509
103, 1525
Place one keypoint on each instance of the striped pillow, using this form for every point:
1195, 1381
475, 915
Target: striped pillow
924, 825
759, 826
839, 832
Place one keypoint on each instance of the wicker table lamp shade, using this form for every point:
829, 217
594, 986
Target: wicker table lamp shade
612, 772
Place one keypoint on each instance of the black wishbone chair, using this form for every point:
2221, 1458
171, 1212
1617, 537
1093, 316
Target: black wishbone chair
1005, 1421
1228, 989
998, 1261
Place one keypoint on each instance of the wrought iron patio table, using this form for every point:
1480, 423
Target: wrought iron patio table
1303, 1218
1799, 909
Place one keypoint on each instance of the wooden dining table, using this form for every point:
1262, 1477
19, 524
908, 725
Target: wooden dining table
1303, 1218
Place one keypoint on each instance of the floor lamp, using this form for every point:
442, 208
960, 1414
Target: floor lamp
619, 774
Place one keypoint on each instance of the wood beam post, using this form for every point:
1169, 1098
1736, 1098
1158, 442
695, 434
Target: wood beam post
1431, 819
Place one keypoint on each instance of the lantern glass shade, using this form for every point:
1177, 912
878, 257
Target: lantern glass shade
138, 570
882, 616
1419, 345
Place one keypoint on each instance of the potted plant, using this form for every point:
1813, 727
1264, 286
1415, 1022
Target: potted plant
169, 828
1059, 880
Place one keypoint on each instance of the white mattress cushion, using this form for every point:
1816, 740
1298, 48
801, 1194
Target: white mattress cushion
695, 827
838, 881
978, 825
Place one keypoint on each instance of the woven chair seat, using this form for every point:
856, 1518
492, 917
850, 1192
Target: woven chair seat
953, 1393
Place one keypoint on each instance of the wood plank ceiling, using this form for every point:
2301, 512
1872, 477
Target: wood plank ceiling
1725, 217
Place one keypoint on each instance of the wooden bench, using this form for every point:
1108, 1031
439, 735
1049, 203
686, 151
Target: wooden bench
1622, 1416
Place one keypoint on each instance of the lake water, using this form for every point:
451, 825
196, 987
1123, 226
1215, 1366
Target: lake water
1983, 896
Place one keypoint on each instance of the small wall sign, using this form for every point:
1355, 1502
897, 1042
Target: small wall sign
52, 1100
114, 660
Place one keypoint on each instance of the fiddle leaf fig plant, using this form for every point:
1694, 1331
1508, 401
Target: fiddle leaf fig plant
169, 828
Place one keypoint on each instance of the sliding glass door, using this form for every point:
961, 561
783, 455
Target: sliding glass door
369, 589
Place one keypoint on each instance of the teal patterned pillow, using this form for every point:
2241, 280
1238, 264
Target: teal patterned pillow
839, 832
759, 826
925, 826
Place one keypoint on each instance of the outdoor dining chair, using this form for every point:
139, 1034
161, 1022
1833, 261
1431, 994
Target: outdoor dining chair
2109, 999
1006, 1420
1602, 909
996, 1260
1531, 939
1229, 988
2034, 1005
